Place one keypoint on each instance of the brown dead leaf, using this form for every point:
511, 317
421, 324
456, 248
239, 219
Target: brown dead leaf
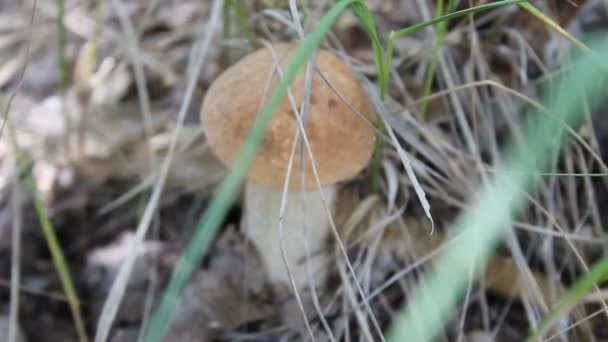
501, 275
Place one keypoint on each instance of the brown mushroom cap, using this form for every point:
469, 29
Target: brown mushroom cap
340, 140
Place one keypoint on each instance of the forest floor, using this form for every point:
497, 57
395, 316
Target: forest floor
94, 131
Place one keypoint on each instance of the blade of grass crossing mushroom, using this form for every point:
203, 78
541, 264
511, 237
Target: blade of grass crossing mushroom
282, 239
306, 148
304, 111
310, 66
210, 221
118, 288
436, 297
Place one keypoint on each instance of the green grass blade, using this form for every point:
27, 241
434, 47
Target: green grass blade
47, 227
456, 14
542, 17
480, 228
210, 222
383, 77
242, 13
367, 20
596, 274
61, 265
52, 242
439, 37
239, 8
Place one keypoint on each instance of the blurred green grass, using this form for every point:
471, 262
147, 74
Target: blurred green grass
481, 227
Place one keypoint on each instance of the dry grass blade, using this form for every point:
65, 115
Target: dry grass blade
26, 57
13, 327
48, 229
140, 76
118, 288
574, 325
303, 115
282, 239
284, 199
9, 69
405, 160
34, 292
306, 145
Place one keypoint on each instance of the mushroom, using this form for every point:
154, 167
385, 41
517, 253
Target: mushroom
340, 140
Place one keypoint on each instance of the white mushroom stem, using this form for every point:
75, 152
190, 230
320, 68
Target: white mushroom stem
305, 220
